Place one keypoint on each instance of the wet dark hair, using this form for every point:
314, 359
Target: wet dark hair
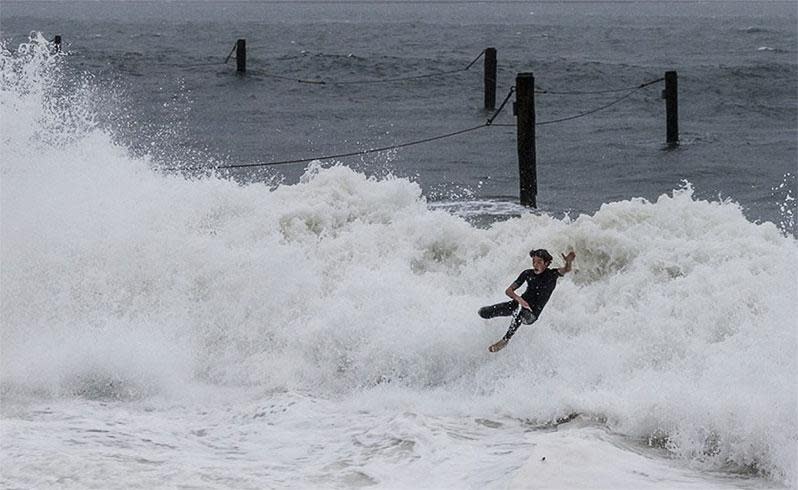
542, 253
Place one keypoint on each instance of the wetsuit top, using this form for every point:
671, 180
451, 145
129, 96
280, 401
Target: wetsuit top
538, 287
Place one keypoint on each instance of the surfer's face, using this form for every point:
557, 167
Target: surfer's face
538, 265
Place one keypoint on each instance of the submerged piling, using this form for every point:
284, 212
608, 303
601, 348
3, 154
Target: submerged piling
490, 79
525, 121
671, 96
241, 56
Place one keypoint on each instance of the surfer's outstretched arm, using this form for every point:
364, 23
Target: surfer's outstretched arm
568, 260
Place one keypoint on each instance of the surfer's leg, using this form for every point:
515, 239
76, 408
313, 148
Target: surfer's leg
524, 316
500, 309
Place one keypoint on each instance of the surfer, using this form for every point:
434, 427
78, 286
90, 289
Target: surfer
540, 282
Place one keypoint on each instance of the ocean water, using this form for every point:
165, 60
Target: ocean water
314, 326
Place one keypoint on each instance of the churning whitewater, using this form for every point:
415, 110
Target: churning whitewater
349, 298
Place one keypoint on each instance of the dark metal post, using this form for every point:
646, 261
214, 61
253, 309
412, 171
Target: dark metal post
490, 78
57, 42
671, 96
241, 56
525, 121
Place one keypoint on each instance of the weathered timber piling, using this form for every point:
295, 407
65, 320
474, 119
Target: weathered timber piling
525, 121
671, 96
241, 56
490, 79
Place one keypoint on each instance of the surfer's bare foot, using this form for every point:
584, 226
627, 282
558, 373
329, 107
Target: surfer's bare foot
498, 345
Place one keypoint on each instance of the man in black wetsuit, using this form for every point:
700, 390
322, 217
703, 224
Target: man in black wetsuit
540, 282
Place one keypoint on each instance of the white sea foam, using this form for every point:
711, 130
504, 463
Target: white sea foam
678, 326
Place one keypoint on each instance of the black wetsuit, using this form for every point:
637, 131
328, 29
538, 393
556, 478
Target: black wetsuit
538, 291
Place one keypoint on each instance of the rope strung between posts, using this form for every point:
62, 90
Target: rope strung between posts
213, 63
362, 82
288, 79
231, 54
596, 92
597, 109
487, 123
601, 108
354, 153
501, 106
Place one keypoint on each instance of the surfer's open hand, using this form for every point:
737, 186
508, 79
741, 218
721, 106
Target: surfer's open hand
568, 259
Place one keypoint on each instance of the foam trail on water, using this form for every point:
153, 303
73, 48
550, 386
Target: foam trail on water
678, 326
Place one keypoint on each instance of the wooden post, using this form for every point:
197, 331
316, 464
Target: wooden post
525, 121
490, 79
57, 42
671, 96
241, 56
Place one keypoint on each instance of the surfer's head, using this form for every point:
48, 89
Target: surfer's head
541, 259
543, 254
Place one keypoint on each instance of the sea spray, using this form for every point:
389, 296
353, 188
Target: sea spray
788, 205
